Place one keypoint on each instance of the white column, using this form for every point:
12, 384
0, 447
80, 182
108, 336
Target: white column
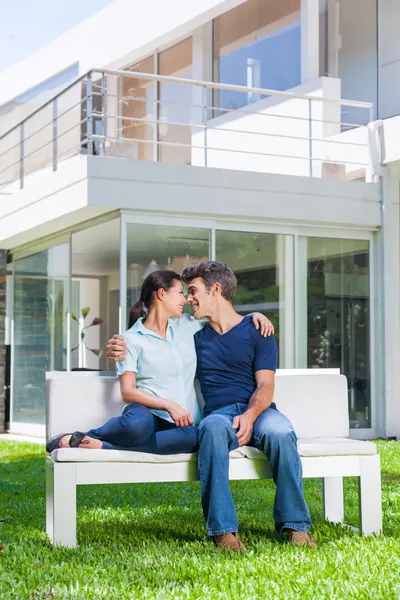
309, 40
389, 293
300, 300
202, 70
285, 253
334, 39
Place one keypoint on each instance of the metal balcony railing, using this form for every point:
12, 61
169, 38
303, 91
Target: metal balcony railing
156, 118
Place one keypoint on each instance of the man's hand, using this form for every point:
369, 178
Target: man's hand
244, 423
116, 348
261, 322
180, 416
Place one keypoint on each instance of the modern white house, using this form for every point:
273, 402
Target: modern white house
263, 133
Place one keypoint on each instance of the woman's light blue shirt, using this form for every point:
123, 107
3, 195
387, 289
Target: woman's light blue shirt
165, 367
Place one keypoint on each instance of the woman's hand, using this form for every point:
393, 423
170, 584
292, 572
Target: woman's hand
180, 416
116, 348
261, 321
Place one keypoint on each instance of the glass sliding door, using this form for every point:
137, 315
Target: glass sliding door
338, 316
258, 262
95, 288
154, 247
40, 329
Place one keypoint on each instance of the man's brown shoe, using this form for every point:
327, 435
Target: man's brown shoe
229, 541
300, 538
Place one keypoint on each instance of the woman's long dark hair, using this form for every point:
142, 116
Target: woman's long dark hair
150, 286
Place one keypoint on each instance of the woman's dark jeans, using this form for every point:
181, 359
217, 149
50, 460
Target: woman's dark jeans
139, 430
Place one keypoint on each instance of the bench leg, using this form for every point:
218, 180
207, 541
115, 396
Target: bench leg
61, 503
370, 495
333, 499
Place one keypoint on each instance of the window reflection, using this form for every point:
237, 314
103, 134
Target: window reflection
154, 247
176, 104
338, 310
256, 261
257, 44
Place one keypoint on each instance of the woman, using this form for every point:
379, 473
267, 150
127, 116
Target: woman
156, 377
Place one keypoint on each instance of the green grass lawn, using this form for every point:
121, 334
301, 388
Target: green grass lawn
149, 541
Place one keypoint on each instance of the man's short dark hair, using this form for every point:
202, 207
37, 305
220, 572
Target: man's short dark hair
213, 272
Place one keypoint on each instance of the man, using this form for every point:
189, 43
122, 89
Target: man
236, 369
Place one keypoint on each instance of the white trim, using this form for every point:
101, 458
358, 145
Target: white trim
49, 241
376, 424
213, 249
300, 301
123, 265
258, 225
39, 246
69, 302
287, 320
166, 220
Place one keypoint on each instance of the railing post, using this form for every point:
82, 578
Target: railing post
89, 113
21, 156
55, 134
104, 105
205, 119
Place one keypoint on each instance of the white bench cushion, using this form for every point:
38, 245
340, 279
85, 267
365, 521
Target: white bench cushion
335, 447
307, 447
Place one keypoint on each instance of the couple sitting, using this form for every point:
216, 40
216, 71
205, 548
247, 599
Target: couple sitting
236, 363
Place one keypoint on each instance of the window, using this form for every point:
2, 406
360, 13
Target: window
138, 107
40, 329
154, 247
338, 316
176, 104
257, 261
95, 287
257, 44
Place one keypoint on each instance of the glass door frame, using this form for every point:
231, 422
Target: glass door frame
295, 298
375, 350
128, 218
20, 254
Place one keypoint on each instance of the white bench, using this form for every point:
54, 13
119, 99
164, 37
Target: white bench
316, 403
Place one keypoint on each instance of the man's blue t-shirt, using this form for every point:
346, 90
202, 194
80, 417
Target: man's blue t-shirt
226, 364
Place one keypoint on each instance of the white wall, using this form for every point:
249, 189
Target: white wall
122, 32
95, 185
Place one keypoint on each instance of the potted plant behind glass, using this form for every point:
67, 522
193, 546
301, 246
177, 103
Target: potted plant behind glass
81, 346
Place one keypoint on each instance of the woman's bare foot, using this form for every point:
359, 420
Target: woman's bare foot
87, 442
91, 443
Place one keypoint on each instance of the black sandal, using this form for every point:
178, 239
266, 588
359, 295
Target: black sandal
74, 442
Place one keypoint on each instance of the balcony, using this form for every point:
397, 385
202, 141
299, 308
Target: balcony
143, 117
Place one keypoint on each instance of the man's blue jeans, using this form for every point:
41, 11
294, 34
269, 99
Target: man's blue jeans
138, 429
272, 434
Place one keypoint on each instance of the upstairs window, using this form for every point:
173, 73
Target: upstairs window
257, 44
